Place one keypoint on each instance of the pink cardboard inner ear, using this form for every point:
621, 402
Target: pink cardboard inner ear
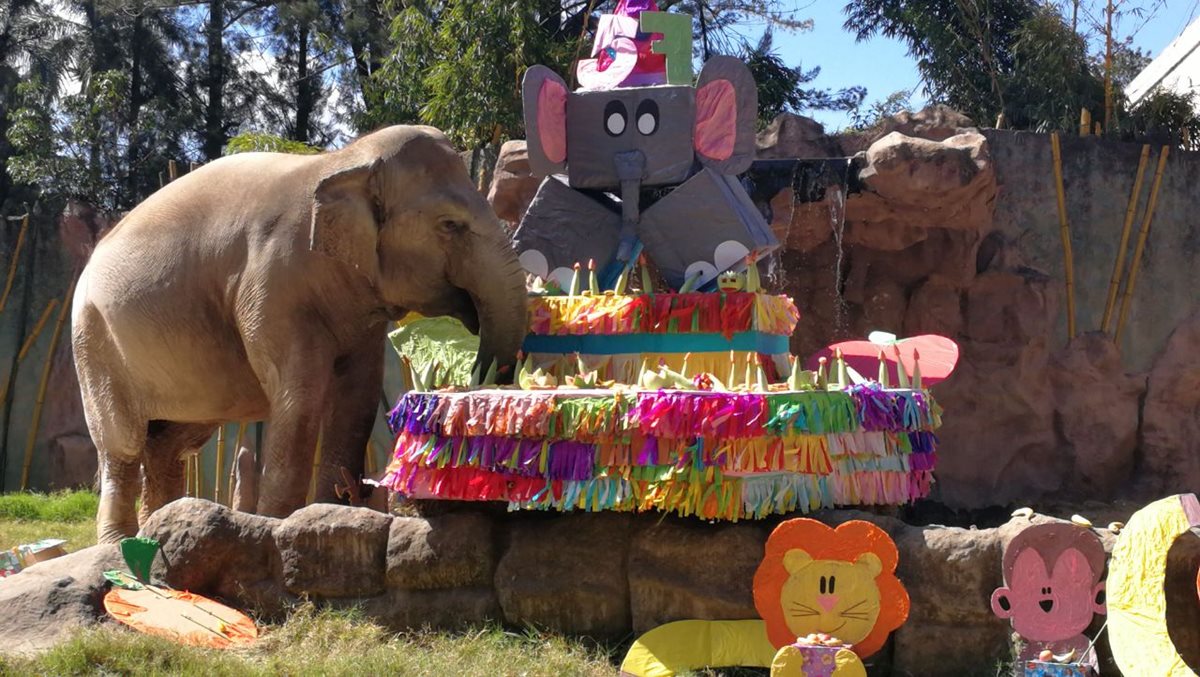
716, 120
552, 120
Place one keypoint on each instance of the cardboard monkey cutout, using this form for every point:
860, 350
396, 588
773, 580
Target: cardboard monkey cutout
599, 148
1053, 585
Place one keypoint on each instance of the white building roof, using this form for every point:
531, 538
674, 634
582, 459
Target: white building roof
1177, 69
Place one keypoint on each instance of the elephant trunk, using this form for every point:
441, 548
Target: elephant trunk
499, 294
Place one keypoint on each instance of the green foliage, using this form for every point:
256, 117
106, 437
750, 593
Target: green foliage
76, 153
1021, 58
1051, 78
249, 142
1165, 117
441, 340
457, 65
64, 506
890, 105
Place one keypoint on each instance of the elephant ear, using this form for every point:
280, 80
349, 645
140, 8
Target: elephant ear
726, 112
544, 95
345, 217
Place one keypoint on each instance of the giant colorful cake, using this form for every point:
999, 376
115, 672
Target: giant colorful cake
686, 402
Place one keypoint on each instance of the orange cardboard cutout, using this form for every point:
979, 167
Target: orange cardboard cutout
842, 582
181, 616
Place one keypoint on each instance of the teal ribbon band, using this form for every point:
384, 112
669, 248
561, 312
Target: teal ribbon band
620, 344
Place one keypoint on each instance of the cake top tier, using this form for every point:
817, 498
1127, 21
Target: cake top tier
688, 313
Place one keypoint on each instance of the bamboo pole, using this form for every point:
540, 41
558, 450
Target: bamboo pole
193, 475
12, 266
1065, 232
187, 475
198, 470
35, 422
312, 483
1135, 264
1119, 265
37, 329
237, 450
369, 465
172, 170
1085, 122
220, 463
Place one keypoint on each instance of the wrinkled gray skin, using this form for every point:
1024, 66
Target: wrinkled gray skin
260, 287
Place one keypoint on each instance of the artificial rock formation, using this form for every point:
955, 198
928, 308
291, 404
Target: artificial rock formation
1170, 432
795, 136
602, 575
49, 602
512, 187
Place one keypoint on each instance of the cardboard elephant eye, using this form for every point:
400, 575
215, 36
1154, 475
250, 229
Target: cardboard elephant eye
647, 117
614, 118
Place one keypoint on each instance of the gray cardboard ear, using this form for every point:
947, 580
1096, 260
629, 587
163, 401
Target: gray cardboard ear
658, 121
545, 120
746, 104
703, 220
566, 226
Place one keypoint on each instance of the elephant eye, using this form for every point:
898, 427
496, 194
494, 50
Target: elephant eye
647, 117
451, 226
614, 118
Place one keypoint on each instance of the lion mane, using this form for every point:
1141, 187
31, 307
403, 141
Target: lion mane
846, 543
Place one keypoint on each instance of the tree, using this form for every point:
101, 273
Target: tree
457, 65
780, 87
34, 42
964, 48
1018, 58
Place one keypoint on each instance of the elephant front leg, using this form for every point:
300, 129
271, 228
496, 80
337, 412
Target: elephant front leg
297, 407
350, 417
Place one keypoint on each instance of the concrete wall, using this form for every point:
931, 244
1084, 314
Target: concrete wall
1098, 177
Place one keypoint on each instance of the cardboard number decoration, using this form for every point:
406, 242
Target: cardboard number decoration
1137, 606
817, 579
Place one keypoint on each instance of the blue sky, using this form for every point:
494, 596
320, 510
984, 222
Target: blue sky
883, 66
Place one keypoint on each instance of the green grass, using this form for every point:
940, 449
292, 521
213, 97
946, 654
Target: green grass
64, 506
26, 518
310, 642
324, 642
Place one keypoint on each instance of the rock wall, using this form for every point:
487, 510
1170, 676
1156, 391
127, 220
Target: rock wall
954, 230
610, 576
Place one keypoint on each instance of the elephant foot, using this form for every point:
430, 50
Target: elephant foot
114, 533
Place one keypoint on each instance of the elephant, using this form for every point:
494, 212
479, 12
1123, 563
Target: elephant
261, 287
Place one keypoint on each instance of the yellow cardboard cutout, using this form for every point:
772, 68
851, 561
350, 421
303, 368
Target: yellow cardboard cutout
1137, 606
689, 645
813, 579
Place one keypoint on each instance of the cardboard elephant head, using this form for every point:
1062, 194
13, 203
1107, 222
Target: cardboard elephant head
623, 139
653, 134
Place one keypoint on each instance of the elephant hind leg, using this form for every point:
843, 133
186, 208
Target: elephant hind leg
119, 441
117, 516
114, 419
166, 445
